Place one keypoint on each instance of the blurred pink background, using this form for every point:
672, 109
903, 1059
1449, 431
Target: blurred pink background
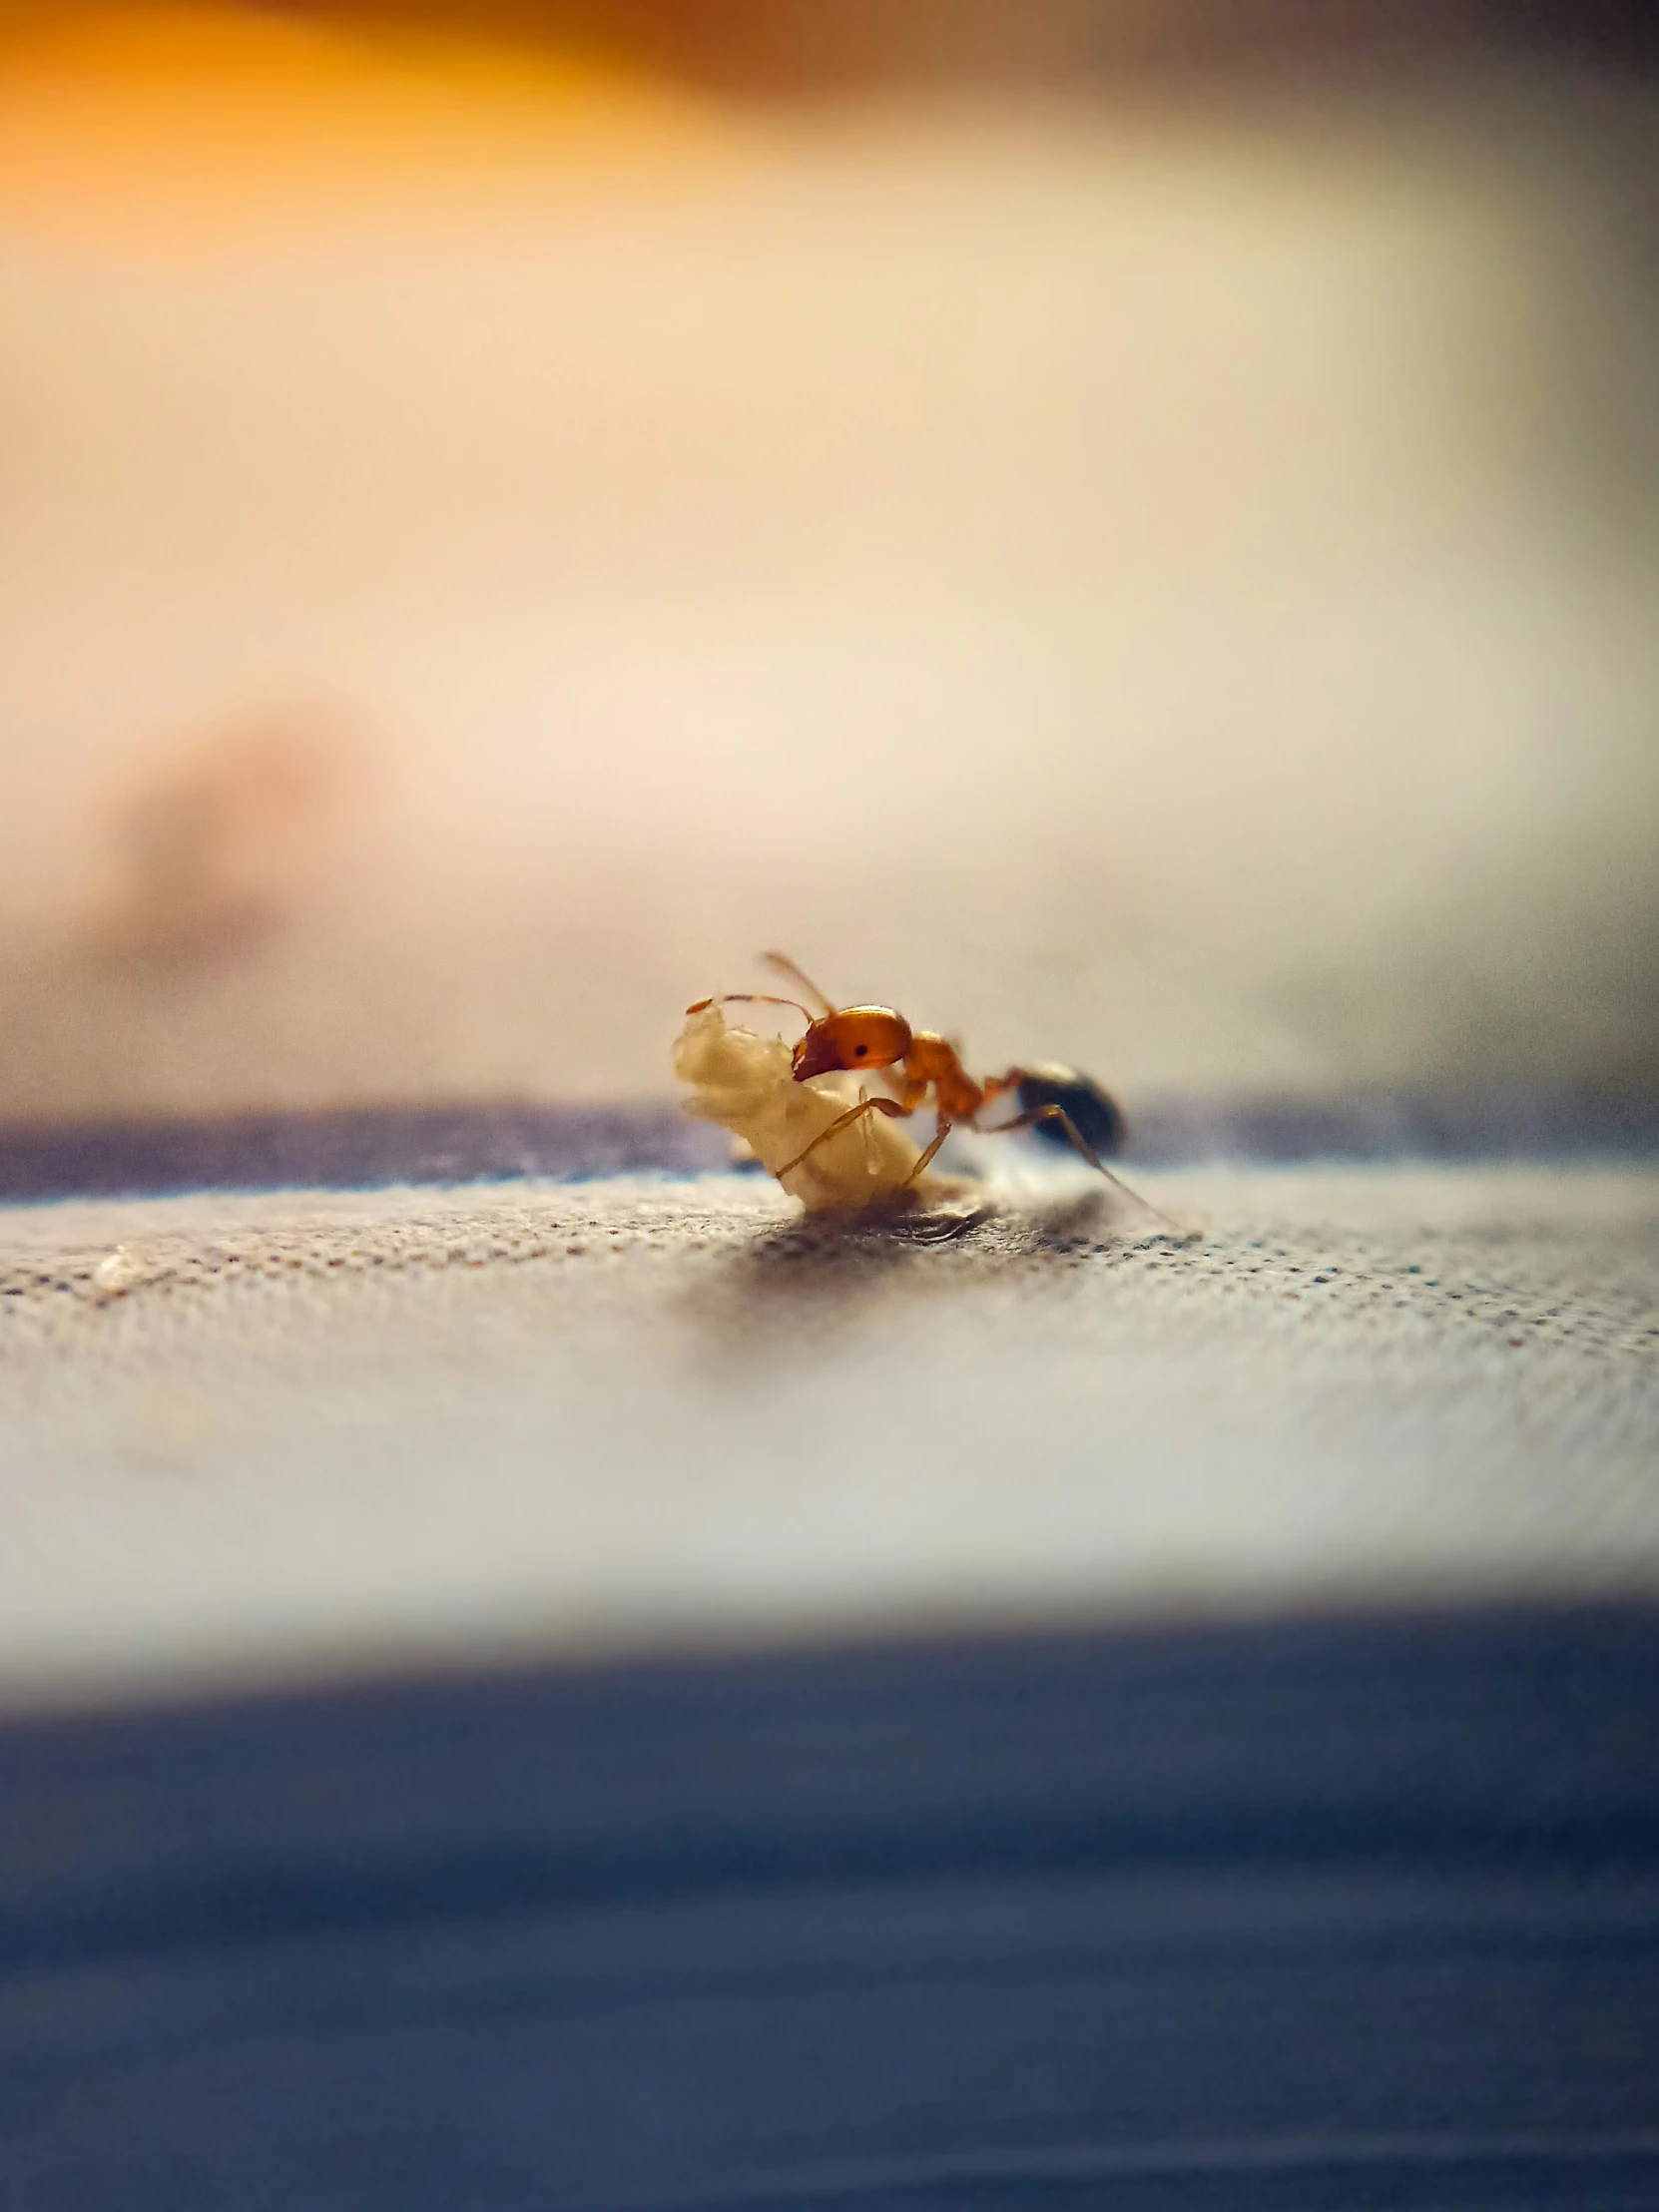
1160, 573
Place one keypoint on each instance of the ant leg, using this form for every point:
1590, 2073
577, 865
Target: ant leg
888, 1106
867, 1130
1035, 1114
1059, 1114
921, 1167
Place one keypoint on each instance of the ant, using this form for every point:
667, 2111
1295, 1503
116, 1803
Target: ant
858, 1037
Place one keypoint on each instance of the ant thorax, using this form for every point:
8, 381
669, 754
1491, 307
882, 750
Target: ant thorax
744, 1082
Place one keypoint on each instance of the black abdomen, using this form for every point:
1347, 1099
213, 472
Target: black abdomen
1096, 1116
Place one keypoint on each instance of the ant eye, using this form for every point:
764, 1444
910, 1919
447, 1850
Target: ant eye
859, 1051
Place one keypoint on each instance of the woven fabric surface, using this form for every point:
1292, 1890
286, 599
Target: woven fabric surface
290, 1433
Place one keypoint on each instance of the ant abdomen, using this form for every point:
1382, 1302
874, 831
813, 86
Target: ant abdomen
1094, 1114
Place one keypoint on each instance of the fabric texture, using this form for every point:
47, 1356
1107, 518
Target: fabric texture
290, 1433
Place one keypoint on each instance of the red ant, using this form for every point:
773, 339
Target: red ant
858, 1037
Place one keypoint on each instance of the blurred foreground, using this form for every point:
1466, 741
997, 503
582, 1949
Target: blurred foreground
1355, 1915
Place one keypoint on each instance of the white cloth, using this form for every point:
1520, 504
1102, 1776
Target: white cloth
302, 1432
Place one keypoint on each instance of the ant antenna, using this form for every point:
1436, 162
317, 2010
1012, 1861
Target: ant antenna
786, 966
747, 998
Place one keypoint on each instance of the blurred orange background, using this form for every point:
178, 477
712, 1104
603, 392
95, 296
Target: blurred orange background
1150, 565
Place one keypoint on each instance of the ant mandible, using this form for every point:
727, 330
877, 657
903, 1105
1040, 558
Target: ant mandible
854, 1038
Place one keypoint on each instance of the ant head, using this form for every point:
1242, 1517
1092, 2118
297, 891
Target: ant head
857, 1037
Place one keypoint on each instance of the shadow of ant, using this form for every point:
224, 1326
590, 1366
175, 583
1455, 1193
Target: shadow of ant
834, 1270
835, 1244
821, 1274
1090, 1217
